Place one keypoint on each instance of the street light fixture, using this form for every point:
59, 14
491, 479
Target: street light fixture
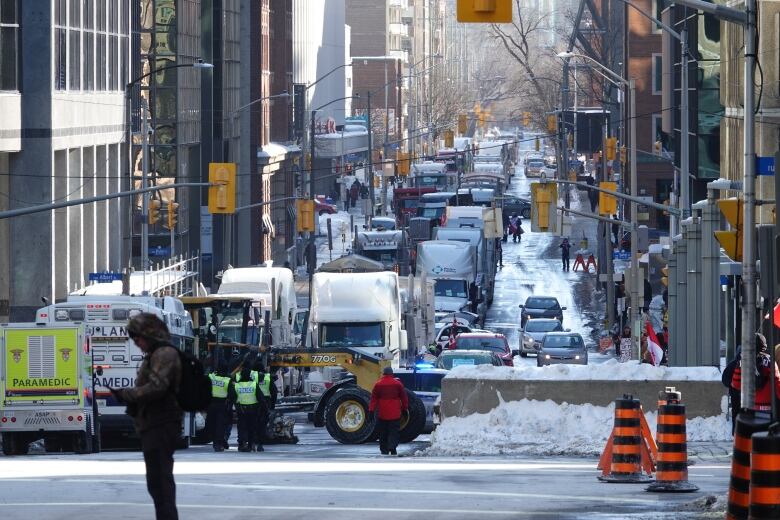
619, 80
198, 64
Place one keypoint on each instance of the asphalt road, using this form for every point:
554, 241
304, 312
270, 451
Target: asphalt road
319, 478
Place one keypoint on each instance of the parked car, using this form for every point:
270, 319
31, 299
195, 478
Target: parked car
533, 333
323, 207
443, 337
541, 307
562, 347
449, 359
517, 206
489, 341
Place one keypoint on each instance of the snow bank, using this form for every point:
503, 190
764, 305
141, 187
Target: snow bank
339, 224
610, 370
547, 428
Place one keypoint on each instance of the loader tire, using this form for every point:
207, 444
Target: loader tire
347, 418
413, 420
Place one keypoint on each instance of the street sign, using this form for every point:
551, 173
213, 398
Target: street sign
765, 165
159, 251
106, 277
621, 255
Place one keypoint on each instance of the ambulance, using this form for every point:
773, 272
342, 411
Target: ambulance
46, 388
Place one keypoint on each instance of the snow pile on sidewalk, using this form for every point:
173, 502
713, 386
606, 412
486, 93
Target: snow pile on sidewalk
339, 224
547, 428
610, 370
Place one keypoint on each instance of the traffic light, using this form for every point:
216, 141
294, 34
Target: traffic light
485, 11
607, 202
305, 211
222, 196
526, 119
611, 148
172, 216
665, 277
731, 241
623, 155
570, 140
544, 200
402, 162
449, 139
463, 123
552, 124
154, 211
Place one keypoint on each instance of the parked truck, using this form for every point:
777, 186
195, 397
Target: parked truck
453, 267
46, 385
358, 310
391, 248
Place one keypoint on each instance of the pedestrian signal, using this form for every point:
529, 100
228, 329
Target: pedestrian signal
484, 11
154, 211
552, 124
731, 241
305, 214
222, 193
611, 148
607, 202
526, 119
172, 216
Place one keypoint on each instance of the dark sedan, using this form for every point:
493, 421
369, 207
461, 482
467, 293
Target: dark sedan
516, 206
562, 347
541, 307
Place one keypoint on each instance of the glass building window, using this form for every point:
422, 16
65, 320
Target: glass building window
658, 73
9, 45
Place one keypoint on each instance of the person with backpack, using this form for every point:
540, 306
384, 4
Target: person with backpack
154, 406
734, 393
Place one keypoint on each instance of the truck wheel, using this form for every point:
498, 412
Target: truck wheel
412, 421
526, 214
346, 416
52, 444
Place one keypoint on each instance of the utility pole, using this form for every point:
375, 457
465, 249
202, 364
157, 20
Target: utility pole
145, 196
635, 313
370, 158
564, 168
310, 252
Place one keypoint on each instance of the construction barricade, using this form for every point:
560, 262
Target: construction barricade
739, 485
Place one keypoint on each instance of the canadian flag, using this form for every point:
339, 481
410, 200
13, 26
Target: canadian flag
656, 352
453, 330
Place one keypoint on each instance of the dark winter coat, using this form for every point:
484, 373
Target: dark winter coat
388, 398
152, 401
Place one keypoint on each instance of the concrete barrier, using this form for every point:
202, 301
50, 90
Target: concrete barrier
462, 397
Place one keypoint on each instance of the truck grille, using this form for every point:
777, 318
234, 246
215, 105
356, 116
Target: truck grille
53, 419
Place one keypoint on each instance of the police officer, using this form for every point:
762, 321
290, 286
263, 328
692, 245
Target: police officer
218, 414
246, 393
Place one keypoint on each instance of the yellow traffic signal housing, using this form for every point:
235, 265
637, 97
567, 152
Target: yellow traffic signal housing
222, 196
526, 119
484, 11
607, 202
536, 144
172, 216
449, 139
611, 148
552, 123
665, 277
154, 211
305, 211
623, 155
544, 200
570, 140
463, 123
402, 162
731, 241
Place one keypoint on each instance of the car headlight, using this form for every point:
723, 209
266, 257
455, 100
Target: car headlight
547, 356
577, 356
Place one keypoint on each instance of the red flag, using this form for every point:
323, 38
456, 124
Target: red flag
451, 341
777, 315
656, 352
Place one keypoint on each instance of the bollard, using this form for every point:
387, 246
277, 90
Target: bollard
765, 475
672, 466
626, 449
739, 484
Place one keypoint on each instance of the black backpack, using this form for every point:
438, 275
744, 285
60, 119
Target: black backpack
194, 393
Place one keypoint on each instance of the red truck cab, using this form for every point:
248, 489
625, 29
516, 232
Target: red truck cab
406, 200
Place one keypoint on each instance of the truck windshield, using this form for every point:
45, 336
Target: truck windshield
352, 334
430, 212
454, 288
430, 180
386, 256
410, 203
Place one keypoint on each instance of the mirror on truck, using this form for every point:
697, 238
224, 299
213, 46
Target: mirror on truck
99, 370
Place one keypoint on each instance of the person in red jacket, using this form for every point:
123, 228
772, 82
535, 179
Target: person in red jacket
388, 400
763, 377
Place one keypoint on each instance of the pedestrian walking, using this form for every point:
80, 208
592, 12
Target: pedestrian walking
514, 224
389, 401
246, 394
517, 235
154, 408
565, 248
218, 415
354, 193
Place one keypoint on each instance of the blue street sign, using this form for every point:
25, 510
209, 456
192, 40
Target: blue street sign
106, 277
621, 255
724, 280
765, 165
159, 251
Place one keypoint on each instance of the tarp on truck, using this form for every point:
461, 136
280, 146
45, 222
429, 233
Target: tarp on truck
445, 259
355, 297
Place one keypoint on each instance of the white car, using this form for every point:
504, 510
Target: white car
443, 337
534, 167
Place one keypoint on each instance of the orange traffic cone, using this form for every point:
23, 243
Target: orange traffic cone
627, 449
739, 486
765, 474
672, 474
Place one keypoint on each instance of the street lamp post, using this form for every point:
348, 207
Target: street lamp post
618, 80
199, 64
